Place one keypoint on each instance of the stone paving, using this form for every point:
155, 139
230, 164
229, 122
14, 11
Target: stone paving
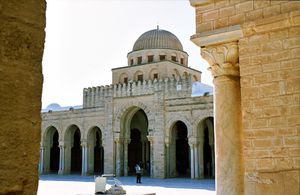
75, 184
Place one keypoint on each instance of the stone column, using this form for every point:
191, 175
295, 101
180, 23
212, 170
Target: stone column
126, 142
150, 138
201, 159
196, 161
192, 161
41, 164
223, 61
84, 158
167, 156
118, 156
61, 159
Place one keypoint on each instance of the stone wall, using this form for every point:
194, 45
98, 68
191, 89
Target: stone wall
269, 68
21, 49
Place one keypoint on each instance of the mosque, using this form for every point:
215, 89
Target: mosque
156, 111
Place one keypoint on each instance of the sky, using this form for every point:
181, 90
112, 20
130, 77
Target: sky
85, 39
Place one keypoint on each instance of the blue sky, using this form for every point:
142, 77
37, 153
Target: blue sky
85, 39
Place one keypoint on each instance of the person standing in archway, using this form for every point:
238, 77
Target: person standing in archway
138, 172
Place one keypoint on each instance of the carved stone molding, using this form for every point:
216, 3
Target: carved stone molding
118, 140
223, 59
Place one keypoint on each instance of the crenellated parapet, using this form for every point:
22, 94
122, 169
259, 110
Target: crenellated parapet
98, 96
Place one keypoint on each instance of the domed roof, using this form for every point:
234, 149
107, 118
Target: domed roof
157, 39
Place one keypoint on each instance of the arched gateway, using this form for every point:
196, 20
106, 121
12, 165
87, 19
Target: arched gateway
134, 147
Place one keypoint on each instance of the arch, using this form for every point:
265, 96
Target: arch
73, 150
137, 75
205, 148
152, 73
195, 78
178, 152
51, 150
130, 120
95, 151
174, 119
123, 77
176, 73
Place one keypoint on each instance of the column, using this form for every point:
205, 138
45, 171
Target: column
118, 156
41, 164
192, 161
201, 160
126, 142
223, 61
196, 161
84, 158
150, 138
61, 159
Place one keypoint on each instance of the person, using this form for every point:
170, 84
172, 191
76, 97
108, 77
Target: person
138, 172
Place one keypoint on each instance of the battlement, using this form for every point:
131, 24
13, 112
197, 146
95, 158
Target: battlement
96, 96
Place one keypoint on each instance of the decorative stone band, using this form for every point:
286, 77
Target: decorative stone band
223, 59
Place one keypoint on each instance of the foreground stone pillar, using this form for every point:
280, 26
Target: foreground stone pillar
223, 61
22, 38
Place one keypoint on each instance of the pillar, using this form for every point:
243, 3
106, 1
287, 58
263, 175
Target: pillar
61, 159
150, 138
41, 164
192, 161
84, 159
223, 61
196, 161
126, 142
118, 156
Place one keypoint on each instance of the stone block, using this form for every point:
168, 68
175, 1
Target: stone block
210, 15
227, 11
290, 6
244, 7
271, 11
254, 15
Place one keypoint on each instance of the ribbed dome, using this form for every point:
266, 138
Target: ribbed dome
157, 39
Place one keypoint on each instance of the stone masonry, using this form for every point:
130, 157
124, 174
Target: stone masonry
22, 36
261, 69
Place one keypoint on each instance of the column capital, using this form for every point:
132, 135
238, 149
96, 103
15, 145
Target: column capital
193, 141
118, 140
83, 143
61, 144
223, 59
150, 138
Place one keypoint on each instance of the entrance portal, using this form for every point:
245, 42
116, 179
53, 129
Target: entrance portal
138, 148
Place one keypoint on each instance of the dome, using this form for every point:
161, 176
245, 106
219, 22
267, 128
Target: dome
53, 106
157, 39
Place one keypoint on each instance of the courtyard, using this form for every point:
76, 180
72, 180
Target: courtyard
76, 184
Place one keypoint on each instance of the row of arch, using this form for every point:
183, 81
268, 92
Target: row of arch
139, 75
72, 152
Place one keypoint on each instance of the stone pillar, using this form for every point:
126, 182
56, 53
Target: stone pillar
167, 157
150, 138
126, 142
118, 156
201, 159
84, 158
41, 164
192, 161
61, 159
223, 61
196, 161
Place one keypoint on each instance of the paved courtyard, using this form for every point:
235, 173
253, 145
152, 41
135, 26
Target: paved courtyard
75, 184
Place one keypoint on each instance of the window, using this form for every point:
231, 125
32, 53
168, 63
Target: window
131, 62
155, 76
162, 57
139, 60
126, 80
140, 77
150, 58
174, 58
181, 60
